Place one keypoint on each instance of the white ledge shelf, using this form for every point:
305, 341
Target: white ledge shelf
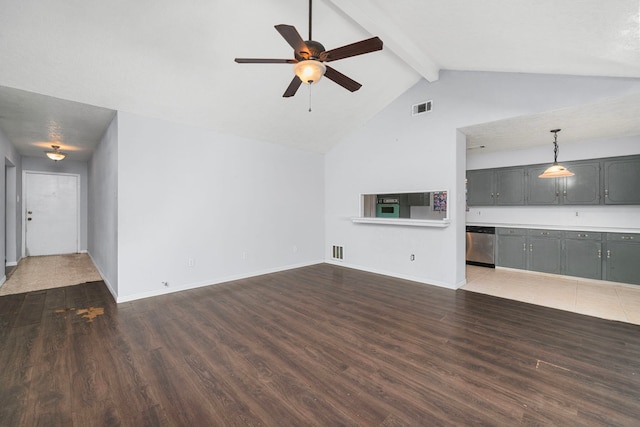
403, 221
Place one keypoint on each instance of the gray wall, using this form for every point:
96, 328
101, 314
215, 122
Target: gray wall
103, 207
10, 205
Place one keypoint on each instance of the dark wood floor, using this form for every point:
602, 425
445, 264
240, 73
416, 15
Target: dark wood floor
321, 345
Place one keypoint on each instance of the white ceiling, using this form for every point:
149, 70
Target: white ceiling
174, 60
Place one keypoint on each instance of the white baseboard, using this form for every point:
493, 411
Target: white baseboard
172, 289
114, 294
398, 276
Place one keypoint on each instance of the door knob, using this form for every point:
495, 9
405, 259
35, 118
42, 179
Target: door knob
28, 219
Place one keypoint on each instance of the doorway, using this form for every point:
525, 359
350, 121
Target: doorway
51, 213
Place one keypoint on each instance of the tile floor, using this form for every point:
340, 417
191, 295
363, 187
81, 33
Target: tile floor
607, 300
46, 272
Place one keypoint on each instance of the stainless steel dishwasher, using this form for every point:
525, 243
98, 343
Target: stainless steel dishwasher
481, 246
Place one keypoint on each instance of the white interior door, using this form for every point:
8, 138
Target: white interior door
51, 208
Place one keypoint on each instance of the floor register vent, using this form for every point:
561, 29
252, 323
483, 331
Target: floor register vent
423, 107
337, 252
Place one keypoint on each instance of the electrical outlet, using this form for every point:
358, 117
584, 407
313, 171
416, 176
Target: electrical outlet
166, 284
191, 262
412, 257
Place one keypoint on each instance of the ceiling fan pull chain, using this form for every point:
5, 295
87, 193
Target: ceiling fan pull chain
309, 97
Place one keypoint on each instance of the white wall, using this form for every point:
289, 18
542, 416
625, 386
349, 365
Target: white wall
11, 212
397, 152
44, 164
103, 207
602, 217
236, 207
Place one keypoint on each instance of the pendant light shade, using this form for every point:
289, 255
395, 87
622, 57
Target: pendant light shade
309, 71
555, 170
56, 154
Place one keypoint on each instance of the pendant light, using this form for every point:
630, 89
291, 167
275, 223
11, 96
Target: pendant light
555, 170
56, 154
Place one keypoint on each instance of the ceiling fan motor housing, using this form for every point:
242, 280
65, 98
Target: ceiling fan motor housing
315, 49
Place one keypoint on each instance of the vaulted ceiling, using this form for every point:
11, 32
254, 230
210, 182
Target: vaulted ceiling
66, 65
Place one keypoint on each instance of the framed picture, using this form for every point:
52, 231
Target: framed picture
439, 200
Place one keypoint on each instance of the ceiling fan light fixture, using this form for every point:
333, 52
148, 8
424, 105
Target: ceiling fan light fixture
555, 170
309, 71
56, 154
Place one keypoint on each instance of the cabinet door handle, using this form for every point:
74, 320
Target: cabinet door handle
608, 253
583, 235
606, 193
498, 195
524, 247
530, 247
599, 253
492, 195
627, 237
545, 233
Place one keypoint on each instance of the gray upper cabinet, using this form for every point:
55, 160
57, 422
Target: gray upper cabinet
419, 199
581, 189
584, 187
480, 187
509, 186
541, 191
622, 181
611, 181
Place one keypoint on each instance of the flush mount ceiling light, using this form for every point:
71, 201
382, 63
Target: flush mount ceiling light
56, 154
555, 170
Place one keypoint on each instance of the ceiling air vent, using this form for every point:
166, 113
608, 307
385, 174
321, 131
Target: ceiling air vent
423, 107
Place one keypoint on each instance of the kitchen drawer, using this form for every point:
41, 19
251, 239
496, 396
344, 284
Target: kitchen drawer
512, 231
534, 232
582, 235
623, 237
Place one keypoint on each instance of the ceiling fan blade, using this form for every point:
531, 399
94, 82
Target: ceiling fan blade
265, 61
292, 36
353, 49
293, 87
341, 79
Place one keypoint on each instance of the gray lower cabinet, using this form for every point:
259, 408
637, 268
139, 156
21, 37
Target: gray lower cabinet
582, 254
609, 256
511, 246
623, 258
545, 250
622, 181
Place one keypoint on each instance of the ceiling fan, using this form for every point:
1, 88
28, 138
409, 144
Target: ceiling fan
310, 56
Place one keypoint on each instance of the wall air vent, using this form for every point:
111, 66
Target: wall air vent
337, 252
423, 107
